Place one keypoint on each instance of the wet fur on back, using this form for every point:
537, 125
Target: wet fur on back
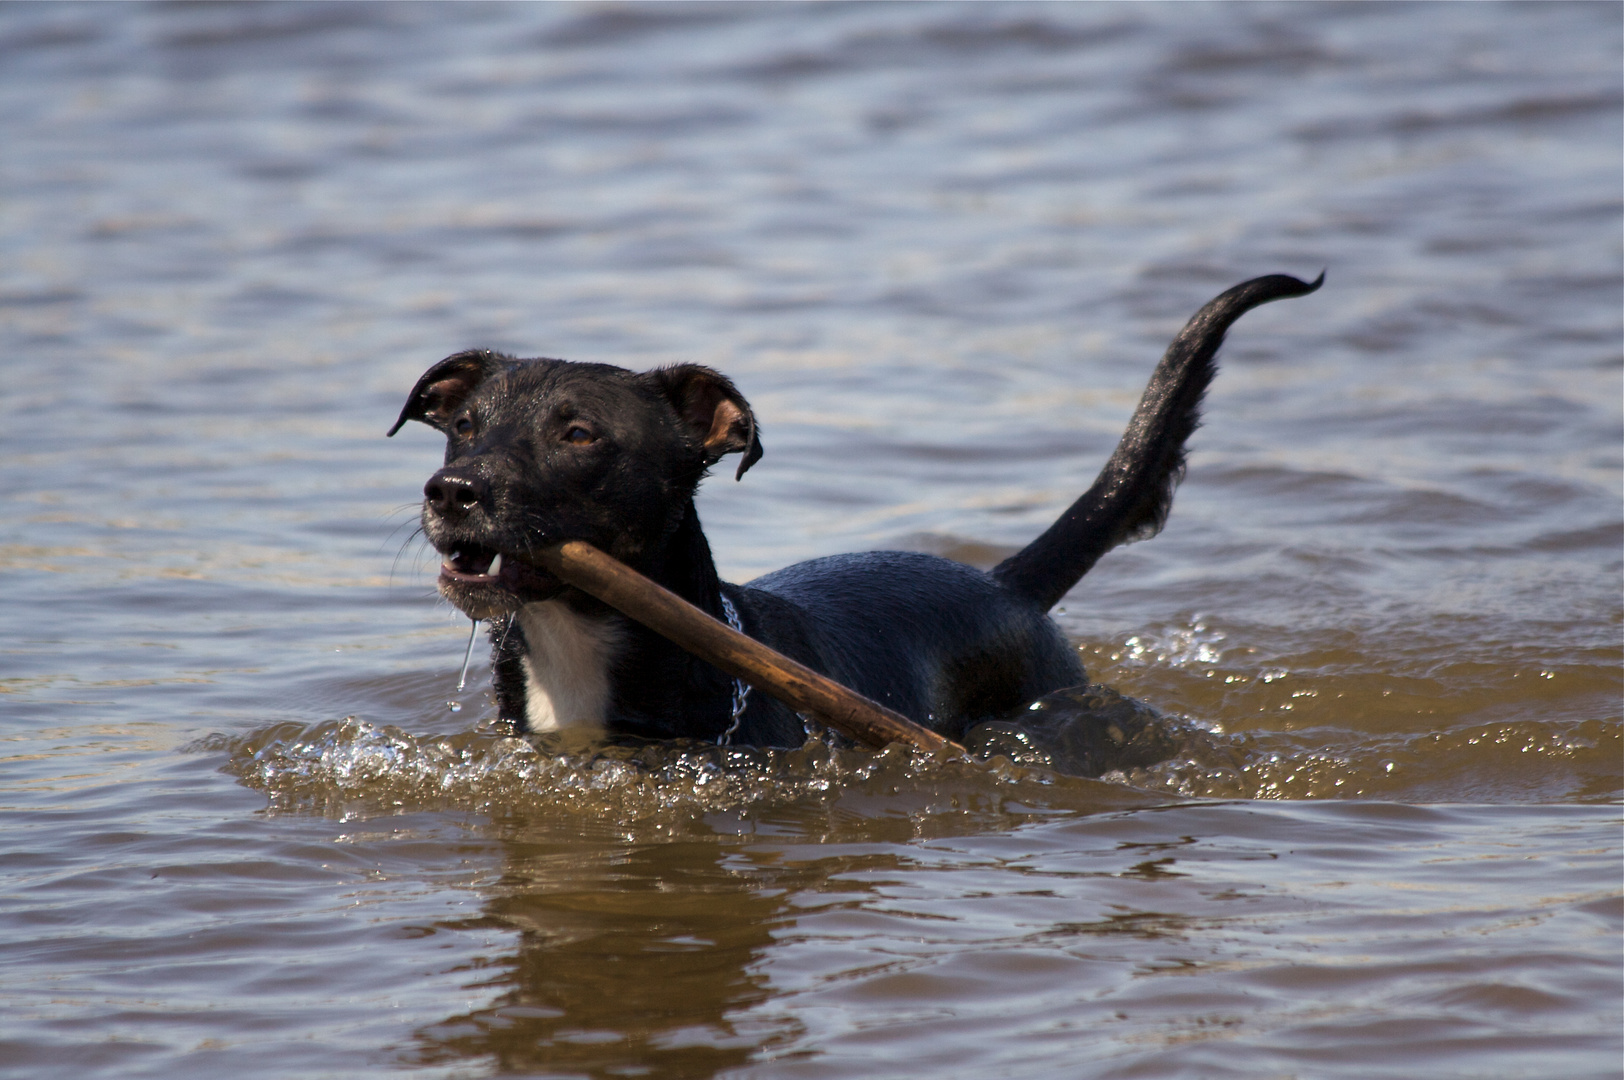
541, 451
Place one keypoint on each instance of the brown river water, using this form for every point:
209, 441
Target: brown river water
251, 828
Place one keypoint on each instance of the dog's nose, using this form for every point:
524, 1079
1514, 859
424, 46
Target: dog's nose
451, 494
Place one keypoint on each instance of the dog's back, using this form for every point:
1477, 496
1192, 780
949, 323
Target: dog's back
940, 642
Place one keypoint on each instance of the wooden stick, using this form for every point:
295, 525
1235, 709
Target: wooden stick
796, 685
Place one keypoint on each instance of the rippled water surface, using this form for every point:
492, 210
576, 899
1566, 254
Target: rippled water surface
939, 248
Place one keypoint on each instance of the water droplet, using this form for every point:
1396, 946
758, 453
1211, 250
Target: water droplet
454, 706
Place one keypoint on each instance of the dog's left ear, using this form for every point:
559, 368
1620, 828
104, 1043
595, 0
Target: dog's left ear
445, 386
714, 410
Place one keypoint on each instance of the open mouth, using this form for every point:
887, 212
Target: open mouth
483, 583
472, 566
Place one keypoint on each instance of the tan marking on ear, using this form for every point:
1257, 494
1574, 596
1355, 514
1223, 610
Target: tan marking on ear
720, 438
441, 397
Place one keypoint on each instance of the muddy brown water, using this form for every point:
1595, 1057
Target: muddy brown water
940, 248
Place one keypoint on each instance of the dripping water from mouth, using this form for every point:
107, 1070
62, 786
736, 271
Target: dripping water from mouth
468, 654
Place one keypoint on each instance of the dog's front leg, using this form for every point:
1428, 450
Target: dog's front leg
507, 671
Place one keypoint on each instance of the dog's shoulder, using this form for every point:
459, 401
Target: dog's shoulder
777, 621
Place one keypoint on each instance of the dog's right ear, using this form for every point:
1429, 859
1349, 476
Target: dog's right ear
714, 410
445, 386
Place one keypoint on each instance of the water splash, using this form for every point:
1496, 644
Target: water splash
1477, 762
1198, 643
352, 767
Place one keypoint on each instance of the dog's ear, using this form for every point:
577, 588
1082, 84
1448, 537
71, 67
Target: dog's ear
445, 386
714, 410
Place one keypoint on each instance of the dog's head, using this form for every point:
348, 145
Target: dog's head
543, 451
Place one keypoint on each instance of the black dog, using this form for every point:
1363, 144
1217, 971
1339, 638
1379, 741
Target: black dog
542, 451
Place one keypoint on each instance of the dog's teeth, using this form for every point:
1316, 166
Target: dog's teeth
496, 566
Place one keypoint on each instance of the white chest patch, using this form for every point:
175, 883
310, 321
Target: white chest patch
566, 666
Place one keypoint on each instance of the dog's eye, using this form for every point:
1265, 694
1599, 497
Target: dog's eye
462, 425
579, 436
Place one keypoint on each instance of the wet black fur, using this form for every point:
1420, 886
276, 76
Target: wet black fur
940, 642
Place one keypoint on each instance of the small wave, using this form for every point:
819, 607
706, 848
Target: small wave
1522, 760
352, 767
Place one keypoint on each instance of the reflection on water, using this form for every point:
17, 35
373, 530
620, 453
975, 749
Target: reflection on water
634, 903
939, 247
689, 910
650, 980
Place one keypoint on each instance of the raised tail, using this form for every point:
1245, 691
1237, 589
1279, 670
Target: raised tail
1131, 497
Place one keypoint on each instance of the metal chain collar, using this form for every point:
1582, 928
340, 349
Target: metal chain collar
741, 689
